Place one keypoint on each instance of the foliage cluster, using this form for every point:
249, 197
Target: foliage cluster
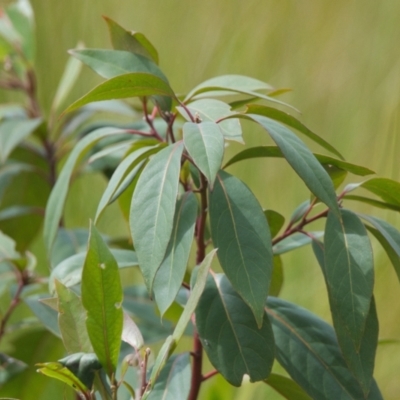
208, 253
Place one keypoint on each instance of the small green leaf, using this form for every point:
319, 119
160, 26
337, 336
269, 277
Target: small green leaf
131, 333
58, 195
277, 277
129, 166
136, 84
295, 241
232, 84
83, 365
174, 380
58, 371
111, 63
67, 81
349, 272
102, 299
230, 336
197, 290
289, 389
276, 152
388, 236
275, 221
170, 275
291, 121
302, 161
387, 189
22, 18
307, 348
205, 144
373, 202
212, 110
134, 42
359, 360
69, 271
71, 321
240, 231
13, 132
7, 248
152, 209
9, 367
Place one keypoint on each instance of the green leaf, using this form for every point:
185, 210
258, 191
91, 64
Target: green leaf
373, 202
349, 272
111, 63
197, 290
71, 321
275, 221
289, 389
232, 84
230, 336
7, 248
134, 42
359, 360
159, 363
291, 121
170, 275
129, 166
276, 152
83, 365
295, 241
58, 371
58, 195
46, 315
67, 81
131, 333
387, 189
22, 18
205, 144
213, 110
174, 380
13, 132
388, 236
302, 161
142, 308
69, 271
240, 231
136, 84
277, 277
307, 348
102, 299
152, 209
10, 367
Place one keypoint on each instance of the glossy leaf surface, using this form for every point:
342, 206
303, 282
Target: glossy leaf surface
205, 144
152, 209
307, 348
131, 333
275, 221
170, 275
102, 299
240, 231
387, 189
230, 336
295, 241
349, 272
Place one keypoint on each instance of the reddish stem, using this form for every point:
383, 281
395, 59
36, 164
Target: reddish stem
210, 375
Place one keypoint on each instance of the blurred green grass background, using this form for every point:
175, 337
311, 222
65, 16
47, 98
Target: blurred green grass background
342, 60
